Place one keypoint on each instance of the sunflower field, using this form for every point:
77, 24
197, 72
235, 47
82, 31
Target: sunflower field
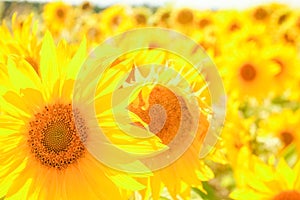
139, 130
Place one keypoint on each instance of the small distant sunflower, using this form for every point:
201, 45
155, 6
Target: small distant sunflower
22, 40
183, 20
248, 73
231, 21
280, 17
287, 35
142, 15
265, 181
260, 14
285, 60
86, 6
58, 16
89, 27
204, 19
162, 17
43, 153
287, 131
117, 19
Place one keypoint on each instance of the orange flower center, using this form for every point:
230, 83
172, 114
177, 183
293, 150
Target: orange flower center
140, 19
204, 23
116, 20
286, 137
185, 16
282, 18
60, 13
288, 195
53, 137
248, 72
234, 27
260, 14
86, 5
165, 16
165, 114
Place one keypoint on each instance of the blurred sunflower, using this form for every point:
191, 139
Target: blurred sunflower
43, 153
21, 40
231, 21
260, 14
287, 131
88, 26
116, 19
162, 17
86, 6
58, 17
183, 20
236, 133
204, 19
280, 17
285, 60
247, 73
264, 181
142, 15
187, 170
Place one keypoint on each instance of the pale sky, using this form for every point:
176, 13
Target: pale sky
214, 4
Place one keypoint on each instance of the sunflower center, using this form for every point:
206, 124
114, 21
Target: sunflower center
282, 18
116, 20
248, 72
60, 13
86, 5
57, 137
185, 16
286, 137
165, 115
54, 138
234, 27
165, 16
260, 14
140, 19
288, 195
204, 23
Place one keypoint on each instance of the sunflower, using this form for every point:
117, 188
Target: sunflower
247, 72
161, 108
231, 21
183, 20
21, 40
287, 131
204, 19
285, 59
87, 26
236, 132
260, 14
116, 19
43, 153
86, 6
280, 17
58, 17
269, 181
162, 17
142, 15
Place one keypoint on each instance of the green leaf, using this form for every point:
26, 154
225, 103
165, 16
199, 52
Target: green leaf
210, 192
